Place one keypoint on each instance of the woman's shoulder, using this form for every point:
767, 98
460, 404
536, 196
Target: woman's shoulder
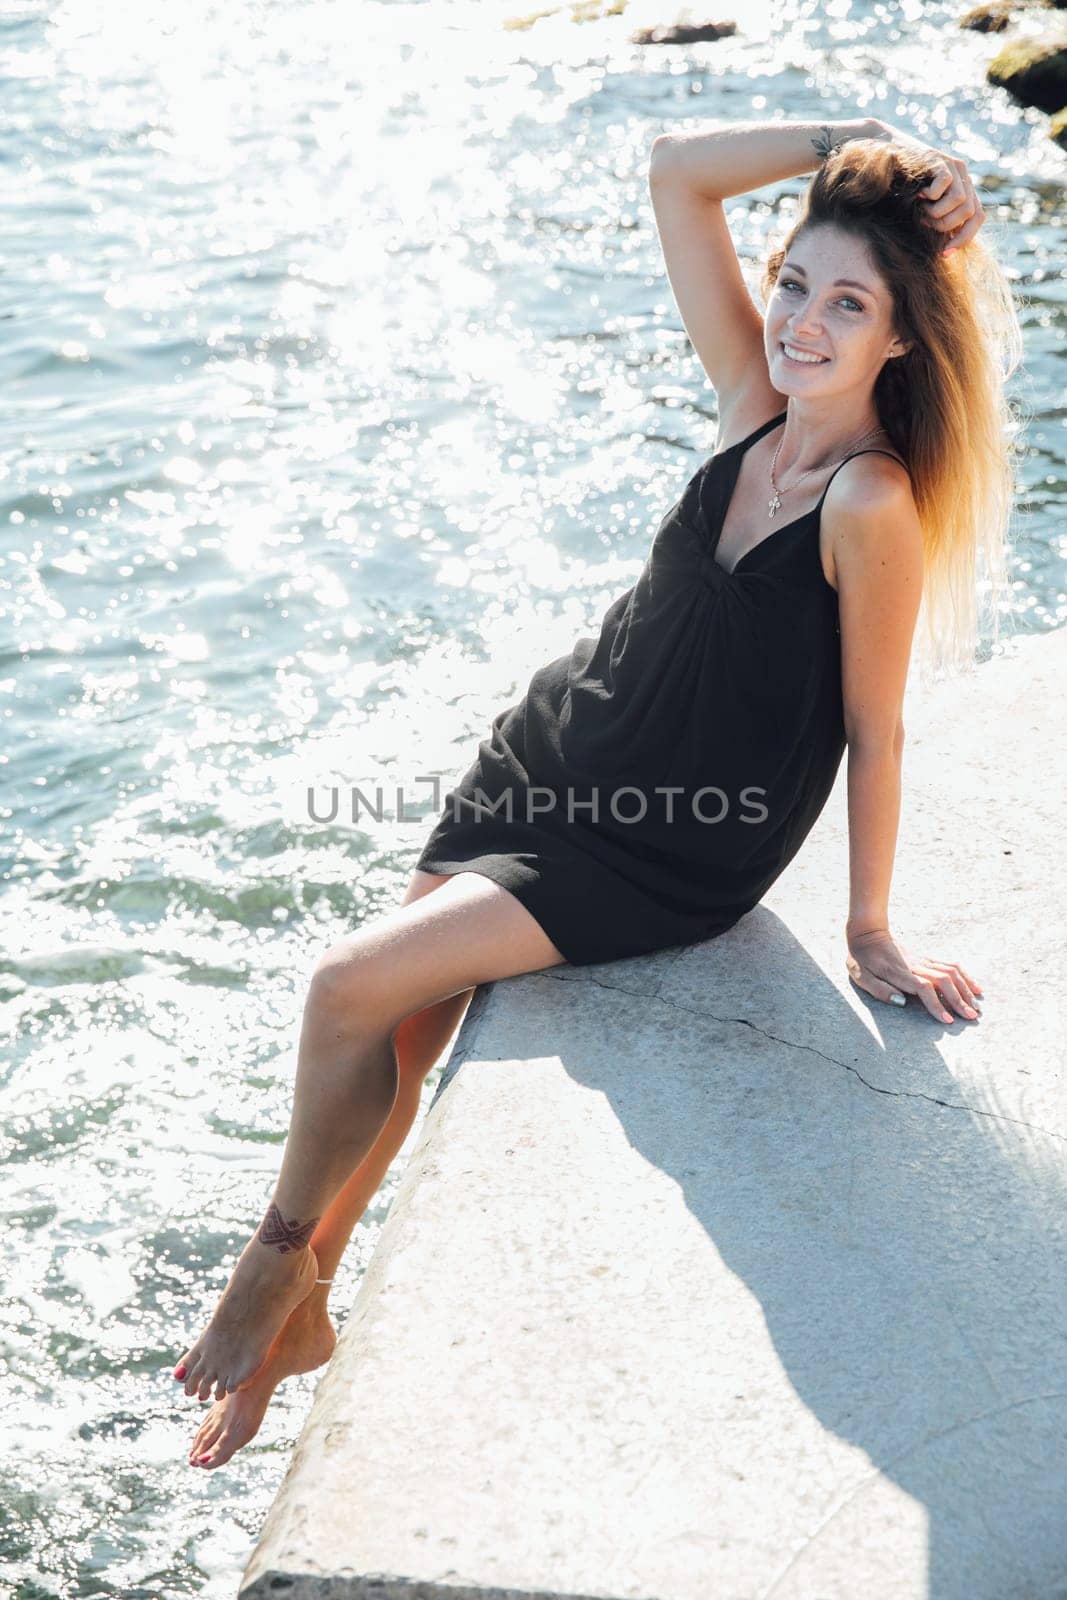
869, 506
878, 466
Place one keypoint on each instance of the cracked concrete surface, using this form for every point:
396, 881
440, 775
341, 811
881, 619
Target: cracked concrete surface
711, 1278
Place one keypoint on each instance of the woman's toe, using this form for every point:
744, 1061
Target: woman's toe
204, 1439
183, 1367
195, 1381
222, 1451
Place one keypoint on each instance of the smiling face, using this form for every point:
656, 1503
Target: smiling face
849, 324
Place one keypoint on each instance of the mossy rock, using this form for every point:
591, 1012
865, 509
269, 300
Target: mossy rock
683, 32
1034, 72
992, 18
1057, 129
580, 11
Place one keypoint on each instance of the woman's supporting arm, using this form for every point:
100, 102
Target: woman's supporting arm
876, 543
873, 821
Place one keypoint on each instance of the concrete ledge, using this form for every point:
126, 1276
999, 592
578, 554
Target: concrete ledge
710, 1278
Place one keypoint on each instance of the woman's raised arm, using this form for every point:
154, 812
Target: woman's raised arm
739, 156
689, 175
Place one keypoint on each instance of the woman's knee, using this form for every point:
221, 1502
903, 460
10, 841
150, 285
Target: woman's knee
420, 1038
343, 977
362, 993
433, 949
341, 987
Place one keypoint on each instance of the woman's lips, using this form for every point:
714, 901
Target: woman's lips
820, 363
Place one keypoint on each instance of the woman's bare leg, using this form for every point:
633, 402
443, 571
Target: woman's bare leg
419, 1039
307, 1338
469, 931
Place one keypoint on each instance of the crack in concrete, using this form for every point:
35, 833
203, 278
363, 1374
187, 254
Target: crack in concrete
794, 1044
672, 963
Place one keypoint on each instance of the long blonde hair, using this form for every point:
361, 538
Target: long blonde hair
943, 404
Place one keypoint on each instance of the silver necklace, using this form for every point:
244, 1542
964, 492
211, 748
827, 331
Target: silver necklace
775, 502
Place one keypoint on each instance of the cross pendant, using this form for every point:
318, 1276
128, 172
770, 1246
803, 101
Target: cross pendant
773, 503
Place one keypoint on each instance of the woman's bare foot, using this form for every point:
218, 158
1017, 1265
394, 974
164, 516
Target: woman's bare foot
265, 1286
306, 1341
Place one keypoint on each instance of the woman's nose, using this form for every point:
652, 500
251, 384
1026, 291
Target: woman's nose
806, 320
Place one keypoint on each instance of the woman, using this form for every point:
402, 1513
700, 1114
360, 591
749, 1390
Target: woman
864, 411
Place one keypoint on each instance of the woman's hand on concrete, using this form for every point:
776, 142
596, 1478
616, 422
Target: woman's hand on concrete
881, 967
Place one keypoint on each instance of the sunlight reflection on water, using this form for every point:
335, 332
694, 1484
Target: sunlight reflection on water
342, 387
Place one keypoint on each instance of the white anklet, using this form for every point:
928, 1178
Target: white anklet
323, 1280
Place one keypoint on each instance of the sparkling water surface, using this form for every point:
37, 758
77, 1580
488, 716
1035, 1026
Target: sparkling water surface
341, 387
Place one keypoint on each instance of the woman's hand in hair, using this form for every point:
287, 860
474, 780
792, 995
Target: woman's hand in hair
954, 206
881, 967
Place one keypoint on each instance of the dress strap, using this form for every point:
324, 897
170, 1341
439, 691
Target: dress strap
871, 450
757, 433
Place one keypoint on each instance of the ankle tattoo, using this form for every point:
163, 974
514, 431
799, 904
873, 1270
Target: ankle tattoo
284, 1236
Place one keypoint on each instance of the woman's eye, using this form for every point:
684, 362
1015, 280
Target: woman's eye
791, 283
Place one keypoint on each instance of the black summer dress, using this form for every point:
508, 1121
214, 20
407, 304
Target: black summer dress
652, 784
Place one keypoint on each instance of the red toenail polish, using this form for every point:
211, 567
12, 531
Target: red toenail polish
180, 1372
